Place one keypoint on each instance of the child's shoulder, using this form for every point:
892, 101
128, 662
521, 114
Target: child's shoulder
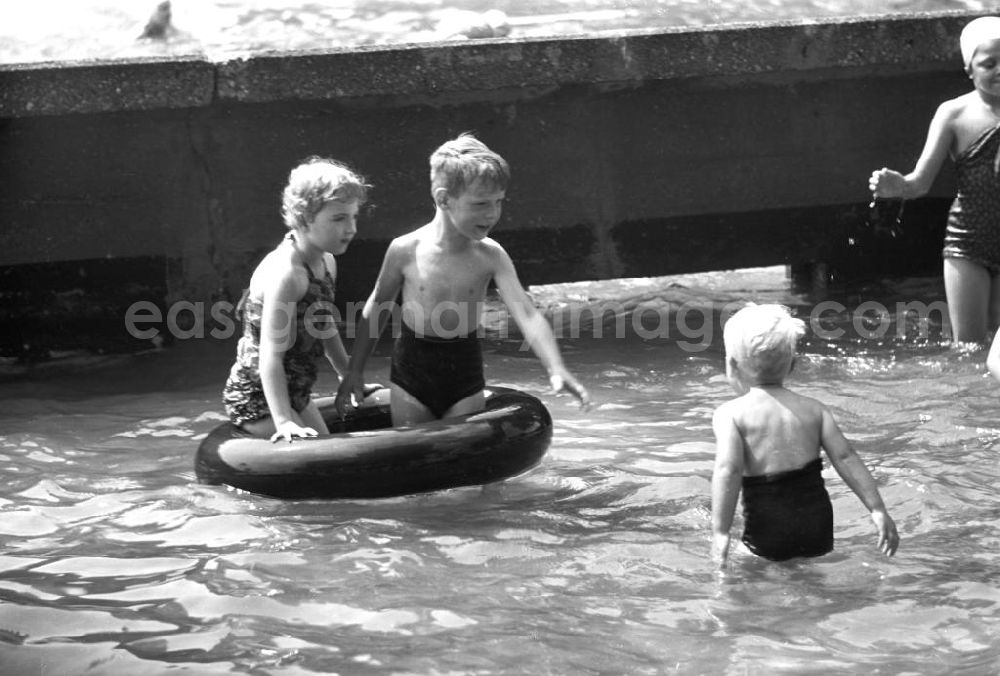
408, 241
729, 410
953, 108
492, 248
278, 267
806, 408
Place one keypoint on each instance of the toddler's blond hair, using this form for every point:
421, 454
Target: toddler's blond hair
762, 340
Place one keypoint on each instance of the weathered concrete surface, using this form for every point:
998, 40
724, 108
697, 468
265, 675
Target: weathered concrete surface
918, 43
66, 88
638, 154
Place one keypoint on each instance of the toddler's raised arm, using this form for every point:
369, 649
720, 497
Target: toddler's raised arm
854, 473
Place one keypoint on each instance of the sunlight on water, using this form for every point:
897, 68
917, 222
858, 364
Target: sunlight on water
594, 562
61, 30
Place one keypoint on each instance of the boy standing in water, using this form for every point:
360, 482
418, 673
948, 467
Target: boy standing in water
443, 270
768, 442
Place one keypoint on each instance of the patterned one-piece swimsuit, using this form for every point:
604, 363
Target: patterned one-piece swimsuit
973, 229
243, 394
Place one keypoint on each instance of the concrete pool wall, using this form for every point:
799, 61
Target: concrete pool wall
633, 154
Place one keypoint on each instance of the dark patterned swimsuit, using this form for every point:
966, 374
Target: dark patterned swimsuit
244, 393
974, 220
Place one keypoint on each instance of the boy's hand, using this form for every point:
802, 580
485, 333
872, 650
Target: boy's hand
290, 429
888, 537
350, 393
720, 548
566, 382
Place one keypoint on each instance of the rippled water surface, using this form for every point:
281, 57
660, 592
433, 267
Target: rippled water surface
113, 560
60, 30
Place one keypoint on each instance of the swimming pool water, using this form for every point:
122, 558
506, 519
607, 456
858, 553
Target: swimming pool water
115, 561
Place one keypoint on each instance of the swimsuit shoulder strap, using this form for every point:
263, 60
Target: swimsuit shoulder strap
290, 238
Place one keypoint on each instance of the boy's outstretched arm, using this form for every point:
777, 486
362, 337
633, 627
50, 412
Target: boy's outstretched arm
535, 328
373, 318
336, 354
727, 477
853, 471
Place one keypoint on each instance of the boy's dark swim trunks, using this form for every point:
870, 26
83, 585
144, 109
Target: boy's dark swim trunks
788, 514
438, 372
974, 220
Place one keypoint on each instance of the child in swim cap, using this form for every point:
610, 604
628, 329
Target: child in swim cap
967, 128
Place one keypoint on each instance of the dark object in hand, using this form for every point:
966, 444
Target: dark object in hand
885, 216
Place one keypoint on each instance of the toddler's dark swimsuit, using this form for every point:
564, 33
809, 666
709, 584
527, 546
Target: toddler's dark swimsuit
439, 372
243, 394
974, 220
788, 514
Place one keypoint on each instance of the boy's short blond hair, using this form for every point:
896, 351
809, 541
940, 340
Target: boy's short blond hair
459, 163
314, 183
762, 340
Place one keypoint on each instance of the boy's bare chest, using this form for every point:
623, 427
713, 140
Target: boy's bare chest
442, 275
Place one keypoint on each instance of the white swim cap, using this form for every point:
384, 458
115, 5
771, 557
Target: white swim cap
975, 33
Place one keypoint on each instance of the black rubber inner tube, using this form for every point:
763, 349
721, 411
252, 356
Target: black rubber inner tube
365, 457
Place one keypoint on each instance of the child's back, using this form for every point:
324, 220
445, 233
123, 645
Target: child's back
768, 445
786, 509
780, 429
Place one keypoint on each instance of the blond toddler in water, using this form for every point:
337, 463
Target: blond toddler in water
768, 443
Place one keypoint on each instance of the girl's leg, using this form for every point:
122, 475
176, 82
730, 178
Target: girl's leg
967, 286
311, 417
264, 427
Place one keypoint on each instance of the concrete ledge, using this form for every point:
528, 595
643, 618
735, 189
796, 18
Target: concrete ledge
914, 43
926, 42
61, 88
